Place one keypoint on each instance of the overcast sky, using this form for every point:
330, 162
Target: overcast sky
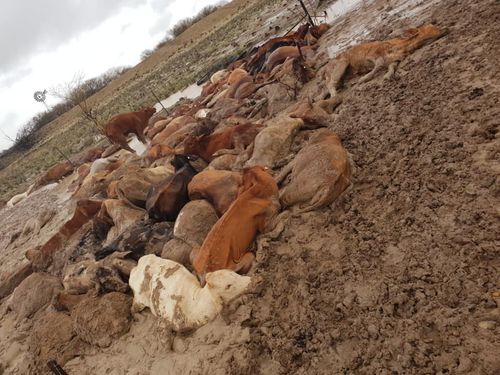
44, 43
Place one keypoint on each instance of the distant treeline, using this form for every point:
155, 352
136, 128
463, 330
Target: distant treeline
26, 136
179, 28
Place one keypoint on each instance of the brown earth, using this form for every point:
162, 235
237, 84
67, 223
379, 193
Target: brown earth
401, 274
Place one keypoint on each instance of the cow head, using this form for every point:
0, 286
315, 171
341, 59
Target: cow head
149, 111
226, 284
180, 161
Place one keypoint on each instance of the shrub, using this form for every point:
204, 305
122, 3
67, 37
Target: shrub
184, 24
145, 54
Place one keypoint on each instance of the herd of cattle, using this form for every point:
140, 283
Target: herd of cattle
176, 225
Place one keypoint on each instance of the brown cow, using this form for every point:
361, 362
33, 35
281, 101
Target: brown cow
315, 115
226, 245
248, 88
157, 152
237, 78
53, 174
236, 138
172, 127
157, 127
124, 124
220, 188
90, 155
318, 30
281, 54
41, 257
257, 59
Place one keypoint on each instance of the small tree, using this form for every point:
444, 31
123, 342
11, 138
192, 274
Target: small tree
77, 93
145, 54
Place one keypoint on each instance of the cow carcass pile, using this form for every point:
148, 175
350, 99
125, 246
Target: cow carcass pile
174, 229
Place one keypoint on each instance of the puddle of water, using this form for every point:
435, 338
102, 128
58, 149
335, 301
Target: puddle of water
356, 32
137, 146
408, 9
341, 8
189, 92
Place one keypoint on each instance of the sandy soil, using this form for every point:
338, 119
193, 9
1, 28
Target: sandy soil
398, 276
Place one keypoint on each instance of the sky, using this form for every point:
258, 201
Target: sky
45, 43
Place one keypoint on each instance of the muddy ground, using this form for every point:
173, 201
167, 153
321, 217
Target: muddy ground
398, 276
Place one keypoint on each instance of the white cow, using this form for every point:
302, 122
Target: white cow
175, 294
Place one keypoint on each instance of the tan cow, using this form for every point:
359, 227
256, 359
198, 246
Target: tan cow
319, 173
371, 58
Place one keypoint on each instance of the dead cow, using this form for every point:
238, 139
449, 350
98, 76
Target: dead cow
173, 293
319, 173
372, 57
165, 200
41, 257
53, 174
226, 245
220, 188
124, 124
236, 138
286, 52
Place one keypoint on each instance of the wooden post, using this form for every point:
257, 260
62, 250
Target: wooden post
293, 27
158, 100
311, 22
64, 156
56, 368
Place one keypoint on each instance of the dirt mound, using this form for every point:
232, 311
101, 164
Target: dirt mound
100, 320
34, 292
54, 338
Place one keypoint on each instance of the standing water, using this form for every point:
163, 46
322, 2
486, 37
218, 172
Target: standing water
340, 8
189, 92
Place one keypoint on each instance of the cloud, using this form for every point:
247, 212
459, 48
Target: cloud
30, 27
8, 79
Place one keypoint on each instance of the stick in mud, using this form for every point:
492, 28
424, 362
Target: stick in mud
56, 368
293, 27
64, 156
158, 100
306, 12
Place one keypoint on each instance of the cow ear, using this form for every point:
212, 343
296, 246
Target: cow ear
248, 180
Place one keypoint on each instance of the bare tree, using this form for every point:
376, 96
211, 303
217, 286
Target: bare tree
77, 92
6, 136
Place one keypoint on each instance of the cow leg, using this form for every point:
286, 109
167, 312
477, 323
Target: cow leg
121, 140
136, 307
329, 105
192, 255
225, 151
379, 63
335, 76
391, 70
317, 202
284, 172
245, 263
142, 138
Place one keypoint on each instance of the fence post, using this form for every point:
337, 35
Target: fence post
157, 99
306, 12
